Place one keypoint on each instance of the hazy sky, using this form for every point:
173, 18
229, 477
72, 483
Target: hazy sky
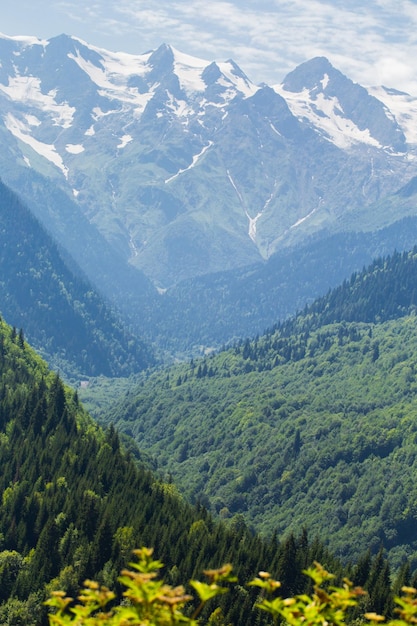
374, 42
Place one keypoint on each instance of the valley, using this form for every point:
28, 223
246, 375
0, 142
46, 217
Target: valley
310, 424
208, 324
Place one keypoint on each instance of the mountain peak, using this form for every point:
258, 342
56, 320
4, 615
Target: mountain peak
162, 58
155, 146
346, 112
236, 70
309, 75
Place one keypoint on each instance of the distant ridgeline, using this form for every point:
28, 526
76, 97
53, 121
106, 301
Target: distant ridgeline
386, 290
61, 314
220, 308
74, 504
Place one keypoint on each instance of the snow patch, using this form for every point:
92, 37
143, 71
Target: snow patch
112, 80
326, 114
252, 220
124, 141
123, 63
403, 107
133, 247
239, 195
274, 129
32, 120
196, 158
245, 87
189, 70
179, 107
26, 40
27, 90
303, 219
74, 148
252, 225
325, 81
97, 113
48, 151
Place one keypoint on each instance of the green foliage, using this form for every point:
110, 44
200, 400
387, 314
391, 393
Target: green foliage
152, 602
330, 605
325, 606
309, 425
313, 423
74, 503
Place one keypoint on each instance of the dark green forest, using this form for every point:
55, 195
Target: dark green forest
313, 423
295, 446
62, 314
74, 503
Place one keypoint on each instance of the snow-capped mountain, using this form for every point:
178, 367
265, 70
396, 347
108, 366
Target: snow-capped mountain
187, 167
344, 112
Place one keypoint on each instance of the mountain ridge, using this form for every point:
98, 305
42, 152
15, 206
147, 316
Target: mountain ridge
139, 142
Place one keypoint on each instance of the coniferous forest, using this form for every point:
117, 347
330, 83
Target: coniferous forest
311, 424
74, 504
198, 382
293, 447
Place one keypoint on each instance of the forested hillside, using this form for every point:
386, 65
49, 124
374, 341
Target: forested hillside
163, 206
73, 504
312, 424
61, 314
